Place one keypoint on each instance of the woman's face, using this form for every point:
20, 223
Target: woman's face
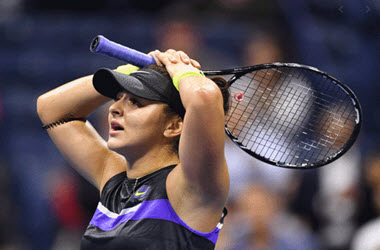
136, 124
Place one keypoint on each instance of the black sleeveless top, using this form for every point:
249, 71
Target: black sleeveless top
136, 214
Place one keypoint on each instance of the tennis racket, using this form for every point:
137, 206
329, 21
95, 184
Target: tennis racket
285, 114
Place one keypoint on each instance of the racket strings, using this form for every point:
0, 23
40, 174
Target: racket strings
305, 152
254, 115
334, 120
269, 125
240, 109
334, 110
309, 146
298, 113
262, 138
290, 115
290, 137
268, 92
336, 129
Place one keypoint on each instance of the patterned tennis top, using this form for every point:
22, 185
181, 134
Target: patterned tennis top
137, 214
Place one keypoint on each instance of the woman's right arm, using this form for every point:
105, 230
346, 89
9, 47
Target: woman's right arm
78, 141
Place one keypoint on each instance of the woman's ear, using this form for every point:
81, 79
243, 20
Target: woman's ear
174, 127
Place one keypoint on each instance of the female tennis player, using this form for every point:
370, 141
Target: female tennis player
162, 174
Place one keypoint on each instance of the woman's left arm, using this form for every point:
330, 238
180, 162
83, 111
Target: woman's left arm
203, 169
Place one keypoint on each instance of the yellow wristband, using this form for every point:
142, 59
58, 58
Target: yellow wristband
179, 75
126, 69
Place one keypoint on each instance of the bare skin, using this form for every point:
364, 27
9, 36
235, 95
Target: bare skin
197, 187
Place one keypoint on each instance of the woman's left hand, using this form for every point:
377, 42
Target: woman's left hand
175, 61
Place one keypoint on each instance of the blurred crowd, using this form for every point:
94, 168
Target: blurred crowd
44, 204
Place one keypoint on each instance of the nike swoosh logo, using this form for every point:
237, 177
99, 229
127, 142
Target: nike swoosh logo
139, 194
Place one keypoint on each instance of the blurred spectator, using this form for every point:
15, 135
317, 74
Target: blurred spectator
368, 236
180, 33
70, 206
264, 223
337, 200
328, 199
10, 9
245, 170
262, 47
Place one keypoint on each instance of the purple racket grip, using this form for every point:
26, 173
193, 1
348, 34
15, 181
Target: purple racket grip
101, 45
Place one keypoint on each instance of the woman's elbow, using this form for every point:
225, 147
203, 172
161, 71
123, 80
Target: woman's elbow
208, 94
42, 107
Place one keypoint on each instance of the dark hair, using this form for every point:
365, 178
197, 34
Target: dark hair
160, 69
225, 89
219, 81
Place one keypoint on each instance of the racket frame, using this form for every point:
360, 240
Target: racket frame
238, 72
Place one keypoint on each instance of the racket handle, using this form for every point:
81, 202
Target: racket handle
101, 45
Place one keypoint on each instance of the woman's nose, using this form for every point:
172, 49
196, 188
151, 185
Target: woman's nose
115, 109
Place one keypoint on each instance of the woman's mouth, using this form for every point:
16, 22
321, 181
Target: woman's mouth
115, 127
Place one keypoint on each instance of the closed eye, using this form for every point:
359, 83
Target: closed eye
134, 102
130, 99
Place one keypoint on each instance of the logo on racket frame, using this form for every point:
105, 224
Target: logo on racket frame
239, 96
